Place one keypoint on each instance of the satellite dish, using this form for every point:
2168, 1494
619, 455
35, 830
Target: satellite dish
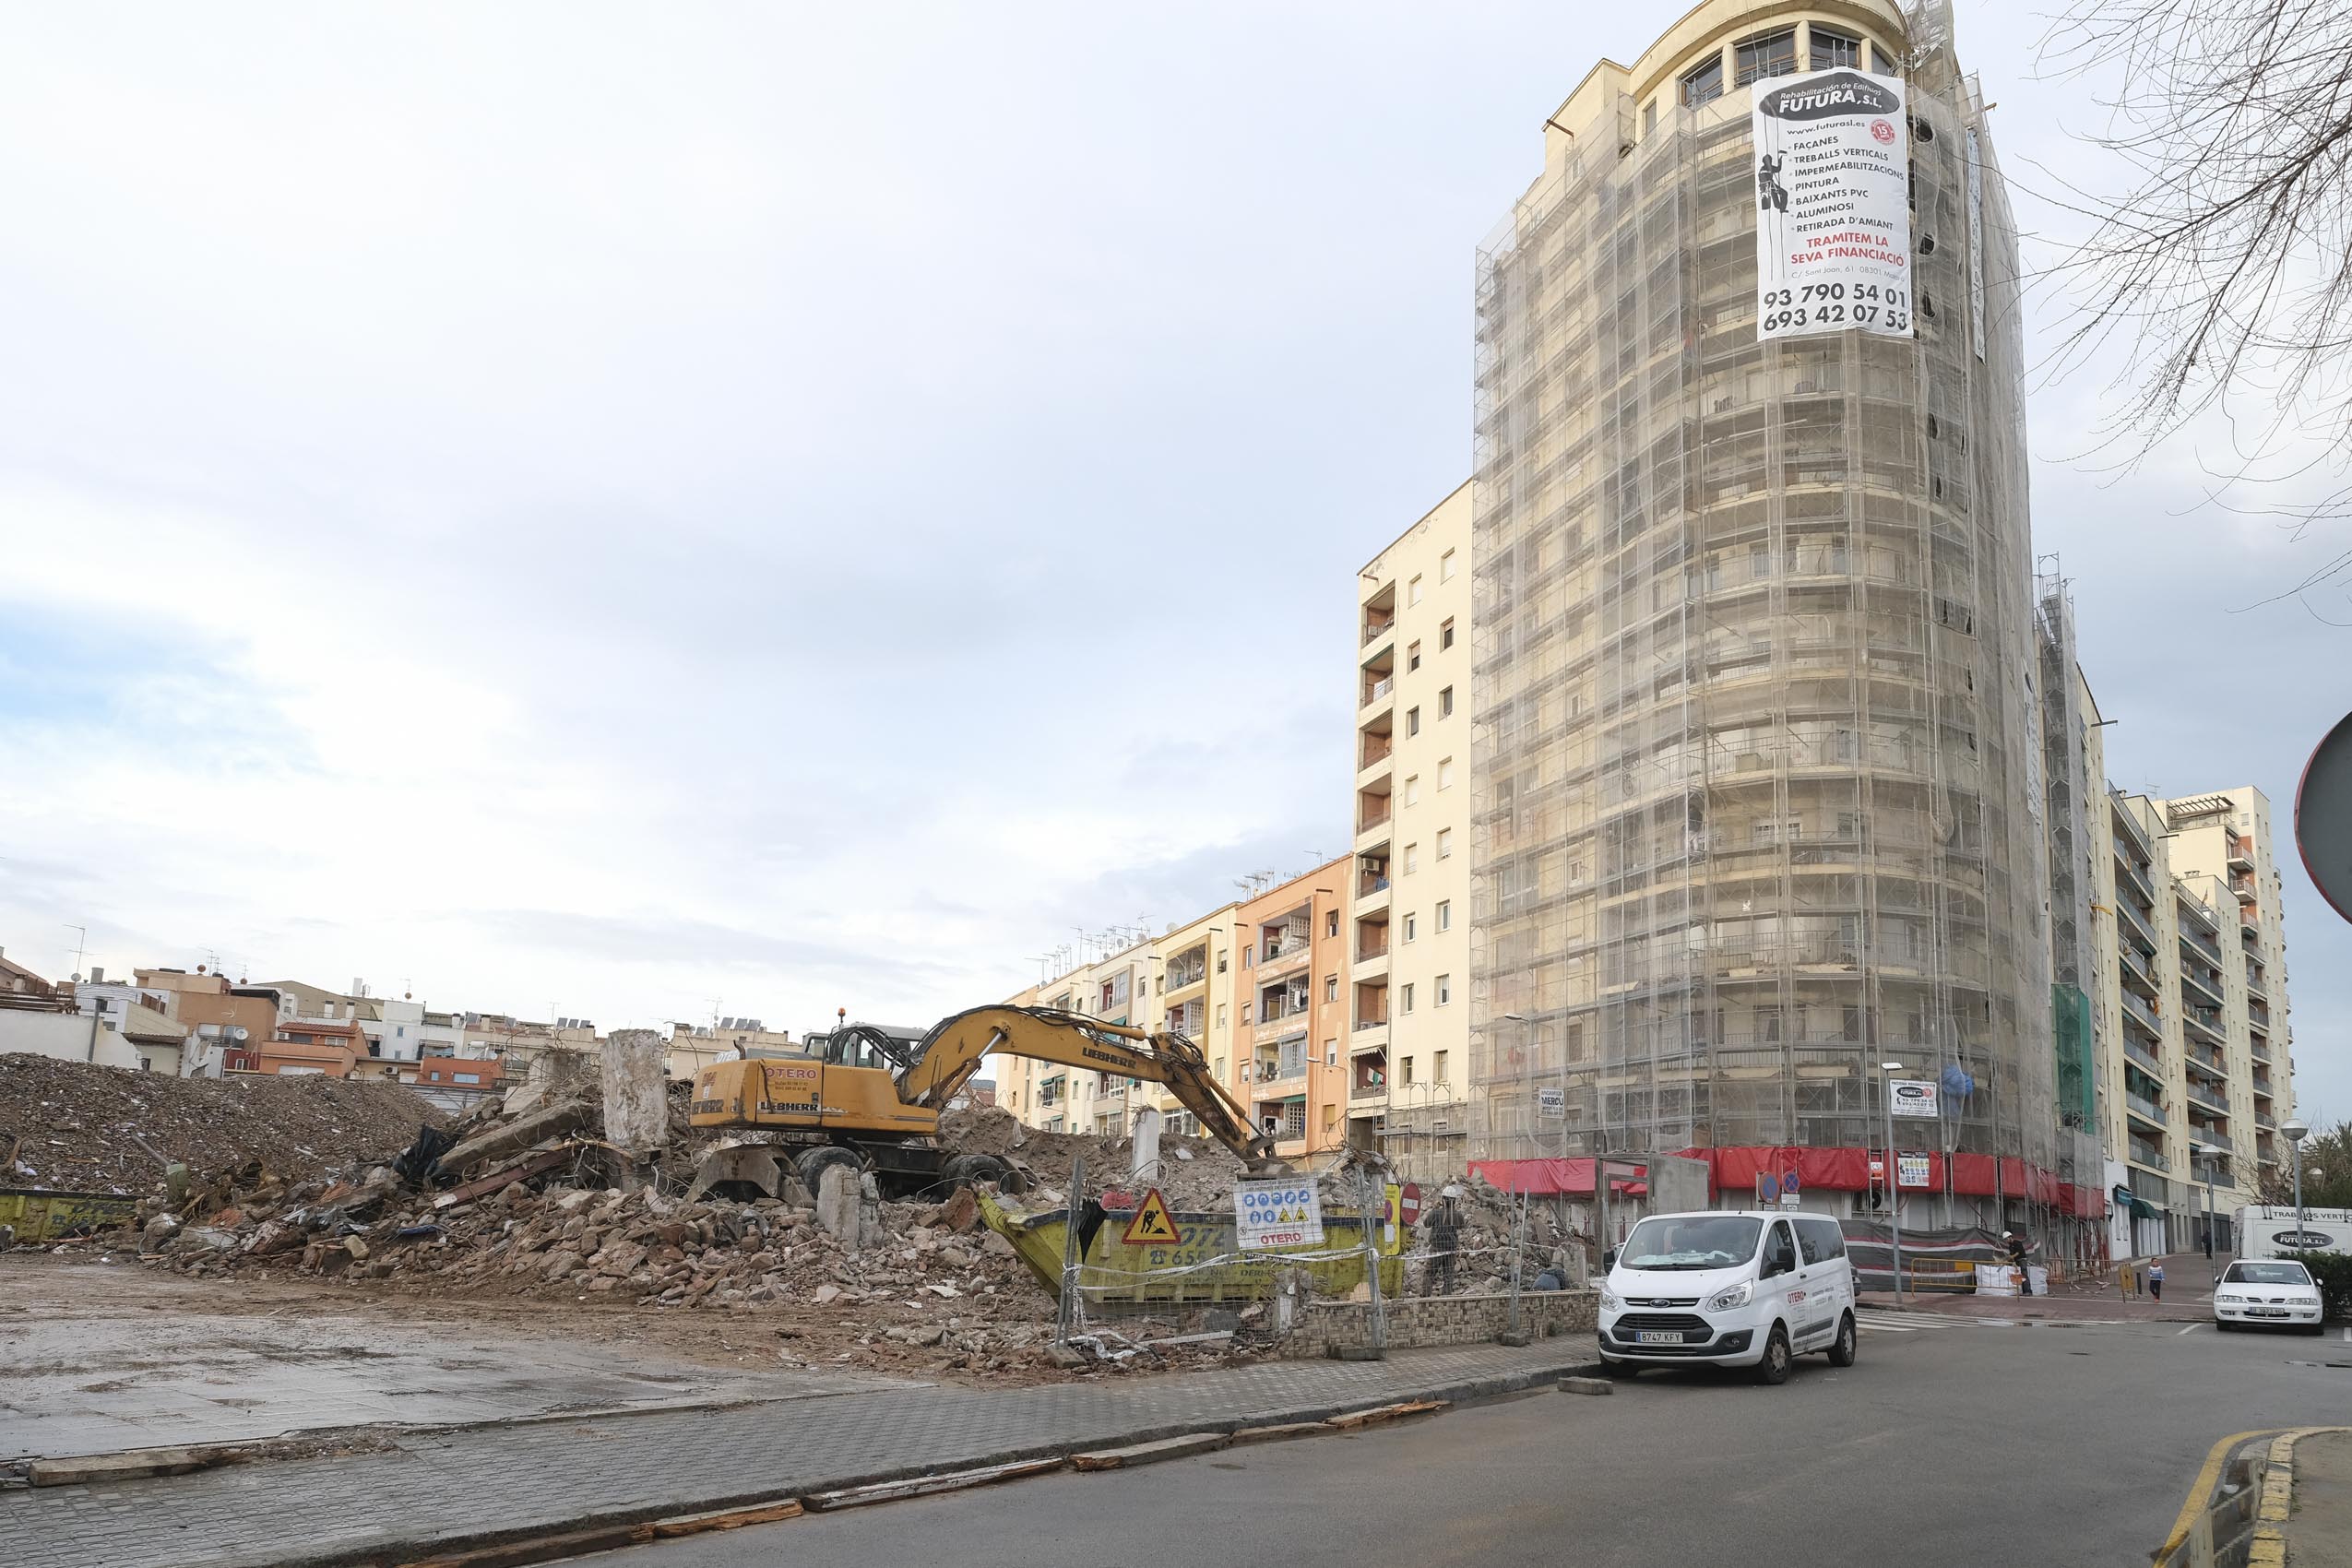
2324, 818
236, 1031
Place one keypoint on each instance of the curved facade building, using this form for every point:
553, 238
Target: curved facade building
1755, 739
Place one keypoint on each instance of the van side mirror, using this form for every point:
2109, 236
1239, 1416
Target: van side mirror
1608, 1259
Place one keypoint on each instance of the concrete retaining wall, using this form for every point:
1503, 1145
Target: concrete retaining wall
1420, 1321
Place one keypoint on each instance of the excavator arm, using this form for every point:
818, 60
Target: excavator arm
952, 1053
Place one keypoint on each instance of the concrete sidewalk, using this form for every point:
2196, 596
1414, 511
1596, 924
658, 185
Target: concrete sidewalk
432, 1493
2317, 1529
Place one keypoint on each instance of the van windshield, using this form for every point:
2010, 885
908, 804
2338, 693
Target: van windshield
1695, 1241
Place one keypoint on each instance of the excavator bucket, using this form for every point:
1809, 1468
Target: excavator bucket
740, 1171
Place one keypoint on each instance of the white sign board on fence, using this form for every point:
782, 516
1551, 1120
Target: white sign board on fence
1833, 206
1911, 1171
1912, 1097
1551, 1104
1283, 1213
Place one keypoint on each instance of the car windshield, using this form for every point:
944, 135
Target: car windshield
1707, 1240
2266, 1274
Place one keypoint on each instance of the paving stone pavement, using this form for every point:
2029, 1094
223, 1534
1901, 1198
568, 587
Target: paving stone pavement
437, 1490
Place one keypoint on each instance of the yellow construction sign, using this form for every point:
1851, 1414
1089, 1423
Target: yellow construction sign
1153, 1225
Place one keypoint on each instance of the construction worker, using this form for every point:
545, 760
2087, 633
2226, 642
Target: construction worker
1445, 1240
2016, 1246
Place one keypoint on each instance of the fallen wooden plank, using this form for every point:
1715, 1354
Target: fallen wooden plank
1387, 1412
1285, 1429
1151, 1452
727, 1518
921, 1486
483, 1186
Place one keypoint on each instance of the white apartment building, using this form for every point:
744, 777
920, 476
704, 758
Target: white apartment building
1409, 896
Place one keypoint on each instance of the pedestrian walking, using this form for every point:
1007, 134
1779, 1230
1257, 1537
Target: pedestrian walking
1445, 1240
2155, 1279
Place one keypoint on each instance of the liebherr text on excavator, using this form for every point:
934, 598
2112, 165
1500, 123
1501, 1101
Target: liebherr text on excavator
871, 1099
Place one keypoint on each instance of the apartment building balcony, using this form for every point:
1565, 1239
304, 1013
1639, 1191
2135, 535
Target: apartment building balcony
2203, 1025
1379, 688
1187, 1021
1367, 1076
2128, 829
2255, 986
2242, 854
1377, 615
2147, 1154
2205, 1059
1373, 748
2259, 1049
2263, 1119
2143, 1015
1184, 976
2206, 1098
1375, 809
1277, 959
2129, 875
1288, 1023
2146, 1109
2136, 965
2199, 929
2260, 1078
2197, 986
1376, 628
2130, 915
2146, 1060
1372, 891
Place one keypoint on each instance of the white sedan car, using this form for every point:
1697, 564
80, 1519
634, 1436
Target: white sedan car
2275, 1294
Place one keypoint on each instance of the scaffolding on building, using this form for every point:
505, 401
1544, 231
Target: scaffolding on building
1755, 737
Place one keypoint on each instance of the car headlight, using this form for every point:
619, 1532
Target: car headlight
1737, 1296
2228, 1301
1608, 1302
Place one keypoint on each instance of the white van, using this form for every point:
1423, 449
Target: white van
1729, 1289
2268, 1230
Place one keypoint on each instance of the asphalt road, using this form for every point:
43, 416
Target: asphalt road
1957, 1445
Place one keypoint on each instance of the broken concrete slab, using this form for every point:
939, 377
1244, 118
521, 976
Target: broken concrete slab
1354, 1418
515, 1136
1586, 1385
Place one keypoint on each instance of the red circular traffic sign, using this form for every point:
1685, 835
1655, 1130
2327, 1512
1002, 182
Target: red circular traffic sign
1409, 1203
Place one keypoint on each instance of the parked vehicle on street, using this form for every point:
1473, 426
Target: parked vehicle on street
1728, 1289
2267, 1293
2268, 1229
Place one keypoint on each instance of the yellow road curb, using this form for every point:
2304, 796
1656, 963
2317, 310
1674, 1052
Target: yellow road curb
2201, 1489
2269, 1547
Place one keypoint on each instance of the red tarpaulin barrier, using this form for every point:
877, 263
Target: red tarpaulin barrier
1546, 1178
1972, 1175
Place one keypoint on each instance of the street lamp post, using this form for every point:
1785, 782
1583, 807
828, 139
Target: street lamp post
1894, 1187
2297, 1130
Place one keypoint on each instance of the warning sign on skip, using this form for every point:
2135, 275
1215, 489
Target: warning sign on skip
1277, 1214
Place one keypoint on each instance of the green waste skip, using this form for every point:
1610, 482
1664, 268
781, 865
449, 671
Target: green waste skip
1205, 1265
37, 1214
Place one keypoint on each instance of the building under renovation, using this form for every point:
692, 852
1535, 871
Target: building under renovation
1757, 750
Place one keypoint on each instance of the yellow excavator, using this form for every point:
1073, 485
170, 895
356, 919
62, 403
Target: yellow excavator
871, 1099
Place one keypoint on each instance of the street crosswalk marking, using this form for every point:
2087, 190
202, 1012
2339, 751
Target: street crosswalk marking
1883, 1322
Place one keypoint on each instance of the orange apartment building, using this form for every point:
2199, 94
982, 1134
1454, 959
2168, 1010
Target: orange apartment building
1287, 993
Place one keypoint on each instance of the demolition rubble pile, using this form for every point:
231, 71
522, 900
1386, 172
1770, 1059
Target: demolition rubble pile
75, 1126
855, 1281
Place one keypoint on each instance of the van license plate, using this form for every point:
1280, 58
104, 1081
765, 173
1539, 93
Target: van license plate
2265, 1312
1658, 1337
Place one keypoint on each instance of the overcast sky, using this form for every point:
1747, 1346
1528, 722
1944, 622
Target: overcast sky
637, 512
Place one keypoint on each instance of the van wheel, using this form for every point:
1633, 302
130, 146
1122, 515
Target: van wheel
1842, 1348
1774, 1368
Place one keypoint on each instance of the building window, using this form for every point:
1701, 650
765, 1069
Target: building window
1412, 657
1445, 567
1649, 118
1330, 1053
1413, 592
1704, 85
1221, 1015
1405, 997
1445, 773
1446, 635
1221, 960
1409, 1071
1445, 914
1413, 790
1445, 989
1445, 703
1331, 988
1245, 1011
1831, 49
1412, 859
1331, 922
1412, 721
1411, 926
1437, 1065
1445, 843
1773, 54
1249, 957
